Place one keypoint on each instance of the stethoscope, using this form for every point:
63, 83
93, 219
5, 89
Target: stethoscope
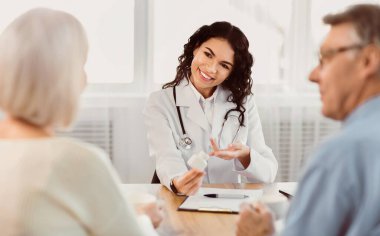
185, 141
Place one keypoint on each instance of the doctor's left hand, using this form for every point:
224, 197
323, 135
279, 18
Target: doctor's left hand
233, 151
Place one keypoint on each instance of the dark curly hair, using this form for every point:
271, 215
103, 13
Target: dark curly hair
239, 82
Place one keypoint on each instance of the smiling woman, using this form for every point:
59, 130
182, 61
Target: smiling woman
212, 64
209, 98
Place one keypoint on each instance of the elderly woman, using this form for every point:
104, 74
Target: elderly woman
51, 185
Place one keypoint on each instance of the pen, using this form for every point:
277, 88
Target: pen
227, 195
287, 195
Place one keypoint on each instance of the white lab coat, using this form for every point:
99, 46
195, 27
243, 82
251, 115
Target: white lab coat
164, 133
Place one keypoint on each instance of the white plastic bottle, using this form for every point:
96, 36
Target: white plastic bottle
198, 161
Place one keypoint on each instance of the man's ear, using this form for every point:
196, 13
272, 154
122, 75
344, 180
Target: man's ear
370, 61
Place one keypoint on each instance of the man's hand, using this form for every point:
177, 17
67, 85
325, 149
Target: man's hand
254, 220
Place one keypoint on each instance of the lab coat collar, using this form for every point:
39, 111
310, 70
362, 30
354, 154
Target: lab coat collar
200, 97
187, 98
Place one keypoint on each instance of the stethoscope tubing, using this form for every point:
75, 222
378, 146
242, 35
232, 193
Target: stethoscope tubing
186, 141
179, 112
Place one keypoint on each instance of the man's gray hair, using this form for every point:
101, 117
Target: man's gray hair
364, 17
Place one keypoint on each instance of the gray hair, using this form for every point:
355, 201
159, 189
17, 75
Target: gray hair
42, 55
364, 17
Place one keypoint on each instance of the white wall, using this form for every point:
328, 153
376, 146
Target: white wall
109, 25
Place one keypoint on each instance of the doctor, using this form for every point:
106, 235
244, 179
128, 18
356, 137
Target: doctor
209, 107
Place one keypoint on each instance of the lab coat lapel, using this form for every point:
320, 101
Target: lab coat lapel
186, 98
220, 109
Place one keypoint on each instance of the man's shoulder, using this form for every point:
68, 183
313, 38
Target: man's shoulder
347, 145
362, 134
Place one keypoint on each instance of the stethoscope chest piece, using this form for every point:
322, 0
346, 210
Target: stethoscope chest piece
185, 142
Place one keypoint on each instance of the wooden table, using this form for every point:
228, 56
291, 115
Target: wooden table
196, 223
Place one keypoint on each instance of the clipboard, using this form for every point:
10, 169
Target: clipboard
200, 203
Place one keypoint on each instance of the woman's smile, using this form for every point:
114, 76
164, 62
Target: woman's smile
205, 77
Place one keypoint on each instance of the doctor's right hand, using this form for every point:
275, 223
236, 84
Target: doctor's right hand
190, 182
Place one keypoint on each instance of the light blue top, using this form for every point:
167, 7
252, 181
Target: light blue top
339, 193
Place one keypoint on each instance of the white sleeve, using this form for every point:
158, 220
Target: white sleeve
162, 146
263, 165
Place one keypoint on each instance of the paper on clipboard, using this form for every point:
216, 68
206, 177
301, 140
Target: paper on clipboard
199, 202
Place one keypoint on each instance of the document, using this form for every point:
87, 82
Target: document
199, 202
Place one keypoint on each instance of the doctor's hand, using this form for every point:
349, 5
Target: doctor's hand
234, 151
190, 182
254, 220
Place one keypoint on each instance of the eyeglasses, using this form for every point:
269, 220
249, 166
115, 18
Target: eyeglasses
326, 55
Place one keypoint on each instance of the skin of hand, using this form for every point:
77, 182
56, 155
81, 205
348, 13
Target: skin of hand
234, 151
254, 220
190, 182
154, 211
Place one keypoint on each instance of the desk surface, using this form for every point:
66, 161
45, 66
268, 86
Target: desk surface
197, 223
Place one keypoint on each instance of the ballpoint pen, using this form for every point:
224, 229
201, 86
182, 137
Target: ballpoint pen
226, 195
287, 195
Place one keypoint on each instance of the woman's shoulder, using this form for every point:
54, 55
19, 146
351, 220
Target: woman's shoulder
74, 156
250, 100
161, 97
167, 92
72, 147
224, 93
54, 151
160, 93
50, 144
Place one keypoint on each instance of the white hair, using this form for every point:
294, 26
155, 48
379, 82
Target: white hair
42, 55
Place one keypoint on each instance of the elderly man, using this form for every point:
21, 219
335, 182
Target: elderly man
339, 193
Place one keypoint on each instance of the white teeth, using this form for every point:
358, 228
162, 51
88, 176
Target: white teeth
204, 75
